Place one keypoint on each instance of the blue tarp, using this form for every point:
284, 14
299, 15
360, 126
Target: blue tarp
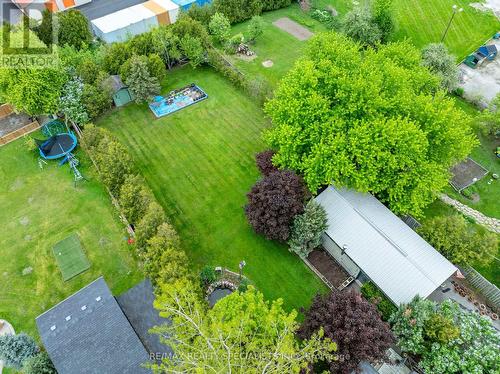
186, 4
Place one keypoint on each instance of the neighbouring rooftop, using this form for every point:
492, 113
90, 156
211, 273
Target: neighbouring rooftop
89, 333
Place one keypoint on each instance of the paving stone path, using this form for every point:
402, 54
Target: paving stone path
491, 224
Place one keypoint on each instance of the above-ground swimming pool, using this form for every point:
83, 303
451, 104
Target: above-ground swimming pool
176, 100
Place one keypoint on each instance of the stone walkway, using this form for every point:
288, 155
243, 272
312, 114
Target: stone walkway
492, 224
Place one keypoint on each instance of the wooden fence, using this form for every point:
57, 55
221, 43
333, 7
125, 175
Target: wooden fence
5, 110
487, 289
16, 134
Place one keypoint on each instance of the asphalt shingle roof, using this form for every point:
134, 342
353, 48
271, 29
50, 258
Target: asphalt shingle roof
89, 333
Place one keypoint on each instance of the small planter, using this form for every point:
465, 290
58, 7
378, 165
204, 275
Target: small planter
482, 307
482, 312
494, 316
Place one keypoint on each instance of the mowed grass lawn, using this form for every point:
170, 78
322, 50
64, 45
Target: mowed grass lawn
199, 163
40, 208
275, 44
424, 22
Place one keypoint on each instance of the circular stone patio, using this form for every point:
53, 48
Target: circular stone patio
5, 329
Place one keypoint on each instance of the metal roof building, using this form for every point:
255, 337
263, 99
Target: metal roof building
364, 235
89, 333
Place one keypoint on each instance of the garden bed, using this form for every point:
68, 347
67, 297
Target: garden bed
328, 267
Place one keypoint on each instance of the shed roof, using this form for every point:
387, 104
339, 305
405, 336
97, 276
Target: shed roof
390, 253
115, 82
89, 333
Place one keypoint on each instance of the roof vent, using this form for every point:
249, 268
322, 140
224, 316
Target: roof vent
52, 328
83, 307
68, 318
98, 298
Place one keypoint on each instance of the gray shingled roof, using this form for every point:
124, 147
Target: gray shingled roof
89, 333
137, 304
390, 253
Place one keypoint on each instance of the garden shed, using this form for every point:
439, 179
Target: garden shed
121, 93
365, 237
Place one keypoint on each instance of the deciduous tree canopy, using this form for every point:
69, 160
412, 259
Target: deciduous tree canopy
351, 322
373, 120
242, 333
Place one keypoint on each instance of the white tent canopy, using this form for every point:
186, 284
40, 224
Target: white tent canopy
390, 253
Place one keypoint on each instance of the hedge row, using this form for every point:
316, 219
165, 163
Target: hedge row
156, 241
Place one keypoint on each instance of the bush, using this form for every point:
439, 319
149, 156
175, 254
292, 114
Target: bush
375, 296
255, 28
233, 43
148, 225
114, 56
238, 10
96, 100
164, 260
243, 286
207, 275
436, 57
201, 14
383, 17
15, 350
458, 241
273, 203
193, 50
466, 193
39, 364
359, 25
459, 92
264, 161
134, 198
275, 4
114, 162
326, 18
156, 67
220, 28
91, 137
30, 144
307, 229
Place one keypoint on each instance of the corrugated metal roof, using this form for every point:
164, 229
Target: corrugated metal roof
390, 253
89, 333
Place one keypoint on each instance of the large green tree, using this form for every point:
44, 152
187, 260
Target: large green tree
141, 83
31, 90
374, 120
242, 333
442, 63
74, 29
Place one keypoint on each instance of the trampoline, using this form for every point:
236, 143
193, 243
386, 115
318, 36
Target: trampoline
57, 146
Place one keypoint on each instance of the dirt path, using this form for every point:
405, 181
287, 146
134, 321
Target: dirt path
293, 28
492, 224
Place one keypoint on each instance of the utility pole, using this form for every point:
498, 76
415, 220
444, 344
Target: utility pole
455, 11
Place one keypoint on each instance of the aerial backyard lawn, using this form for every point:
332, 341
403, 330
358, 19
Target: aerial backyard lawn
39, 209
199, 163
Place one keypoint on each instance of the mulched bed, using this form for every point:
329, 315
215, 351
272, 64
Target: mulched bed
466, 173
327, 266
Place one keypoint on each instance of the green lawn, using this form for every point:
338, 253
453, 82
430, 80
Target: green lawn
275, 45
199, 163
424, 21
40, 208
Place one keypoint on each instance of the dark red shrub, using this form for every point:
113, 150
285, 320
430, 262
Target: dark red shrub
273, 202
353, 323
264, 162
